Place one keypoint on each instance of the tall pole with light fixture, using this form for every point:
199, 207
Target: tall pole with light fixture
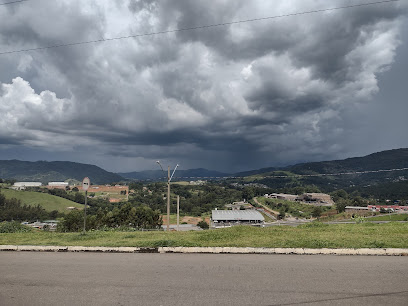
168, 191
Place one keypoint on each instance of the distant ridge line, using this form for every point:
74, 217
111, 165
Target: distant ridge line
294, 175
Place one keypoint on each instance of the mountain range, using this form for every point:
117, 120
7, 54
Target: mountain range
298, 175
44, 171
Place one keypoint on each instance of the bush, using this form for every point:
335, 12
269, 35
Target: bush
203, 225
14, 227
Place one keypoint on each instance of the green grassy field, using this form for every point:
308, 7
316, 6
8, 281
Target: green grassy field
314, 235
47, 201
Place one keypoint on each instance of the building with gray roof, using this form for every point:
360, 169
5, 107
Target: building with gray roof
232, 217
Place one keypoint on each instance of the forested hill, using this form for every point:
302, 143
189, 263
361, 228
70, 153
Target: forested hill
43, 171
386, 160
377, 161
390, 159
191, 174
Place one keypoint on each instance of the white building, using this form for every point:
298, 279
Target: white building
235, 217
57, 184
24, 185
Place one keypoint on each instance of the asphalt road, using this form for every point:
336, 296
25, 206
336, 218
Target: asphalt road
30, 278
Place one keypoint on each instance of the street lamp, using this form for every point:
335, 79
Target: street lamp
168, 191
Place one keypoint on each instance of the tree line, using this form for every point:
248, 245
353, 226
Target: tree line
13, 210
128, 216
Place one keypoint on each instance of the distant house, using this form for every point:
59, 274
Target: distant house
283, 196
392, 208
237, 205
318, 199
24, 185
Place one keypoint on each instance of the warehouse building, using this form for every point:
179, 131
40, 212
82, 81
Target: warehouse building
24, 185
58, 184
220, 218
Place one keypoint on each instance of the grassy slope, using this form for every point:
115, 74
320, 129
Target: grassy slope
47, 201
399, 217
366, 235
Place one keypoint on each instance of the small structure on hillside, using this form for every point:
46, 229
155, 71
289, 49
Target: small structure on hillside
238, 205
318, 199
282, 196
389, 208
221, 218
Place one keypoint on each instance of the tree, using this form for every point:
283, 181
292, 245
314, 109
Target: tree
248, 193
359, 201
203, 225
317, 212
339, 194
341, 205
75, 189
73, 222
282, 214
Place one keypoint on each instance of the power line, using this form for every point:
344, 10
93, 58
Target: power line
13, 2
193, 28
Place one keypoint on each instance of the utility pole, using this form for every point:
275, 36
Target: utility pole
168, 191
86, 198
85, 186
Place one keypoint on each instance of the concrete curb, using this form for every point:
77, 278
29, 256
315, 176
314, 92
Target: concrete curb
207, 250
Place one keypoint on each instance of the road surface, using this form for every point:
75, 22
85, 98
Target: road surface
30, 278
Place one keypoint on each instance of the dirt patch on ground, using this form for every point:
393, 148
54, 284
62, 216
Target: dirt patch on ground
186, 219
191, 220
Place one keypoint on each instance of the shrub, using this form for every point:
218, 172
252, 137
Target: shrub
14, 227
203, 225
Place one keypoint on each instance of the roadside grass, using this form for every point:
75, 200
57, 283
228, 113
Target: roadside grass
393, 217
47, 201
311, 235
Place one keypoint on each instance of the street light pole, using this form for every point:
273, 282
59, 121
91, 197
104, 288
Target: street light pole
168, 191
168, 198
86, 198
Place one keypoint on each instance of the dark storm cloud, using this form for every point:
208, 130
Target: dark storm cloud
249, 95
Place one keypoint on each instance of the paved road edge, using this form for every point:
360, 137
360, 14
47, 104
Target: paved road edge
208, 250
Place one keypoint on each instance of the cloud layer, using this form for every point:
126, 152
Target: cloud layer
234, 97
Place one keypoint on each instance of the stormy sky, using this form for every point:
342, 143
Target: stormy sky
273, 92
